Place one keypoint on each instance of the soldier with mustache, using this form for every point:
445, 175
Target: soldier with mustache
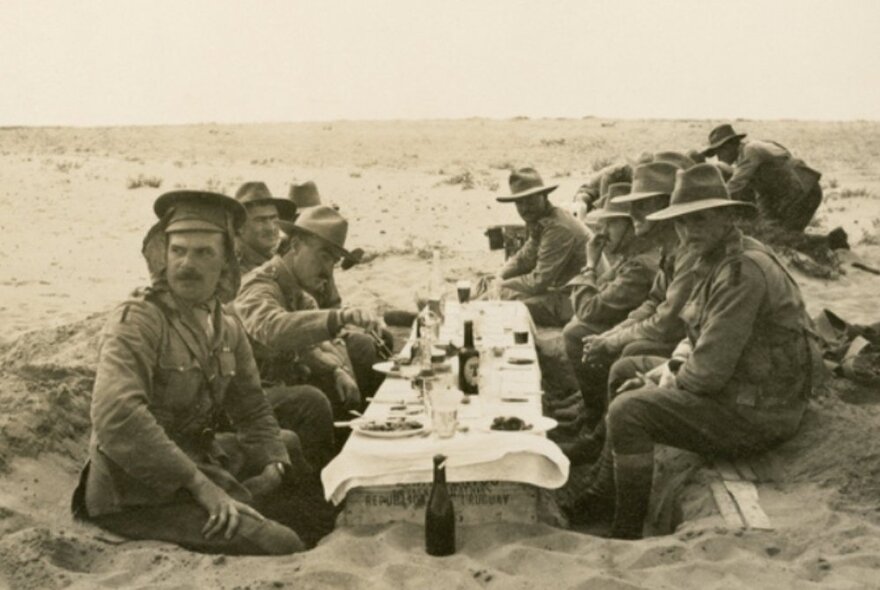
175, 370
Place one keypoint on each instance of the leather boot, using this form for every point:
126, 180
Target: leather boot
597, 503
585, 448
633, 475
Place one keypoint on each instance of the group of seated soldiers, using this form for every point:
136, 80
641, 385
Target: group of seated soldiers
217, 386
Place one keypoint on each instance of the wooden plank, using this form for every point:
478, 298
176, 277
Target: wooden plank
744, 467
726, 470
745, 494
726, 505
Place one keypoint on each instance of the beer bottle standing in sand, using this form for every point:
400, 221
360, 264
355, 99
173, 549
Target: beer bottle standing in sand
439, 515
469, 362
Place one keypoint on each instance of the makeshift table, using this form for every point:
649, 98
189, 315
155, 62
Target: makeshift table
493, 476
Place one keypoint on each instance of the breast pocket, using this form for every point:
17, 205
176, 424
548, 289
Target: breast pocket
178, 383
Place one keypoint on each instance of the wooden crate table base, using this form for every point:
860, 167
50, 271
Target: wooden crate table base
476, 502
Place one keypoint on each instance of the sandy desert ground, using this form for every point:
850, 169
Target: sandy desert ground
70, 233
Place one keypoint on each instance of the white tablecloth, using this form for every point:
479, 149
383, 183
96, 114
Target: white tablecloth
477, 454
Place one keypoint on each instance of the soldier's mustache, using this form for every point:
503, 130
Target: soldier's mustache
188, 275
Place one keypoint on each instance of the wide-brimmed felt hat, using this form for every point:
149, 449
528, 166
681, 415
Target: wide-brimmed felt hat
721, 135
323, 222
696, 189
656, 179
305, 194
525, 182
677, 158
198, 211
257, 193
613, 207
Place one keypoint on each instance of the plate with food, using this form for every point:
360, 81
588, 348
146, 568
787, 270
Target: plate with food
536, 425
389, 427
520, 356
394, 368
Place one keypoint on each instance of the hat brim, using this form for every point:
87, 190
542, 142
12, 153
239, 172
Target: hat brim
629, 198
166, 201
685, 208
707, 151
192, 225
291, 228
286, 208
598, 215
535, 191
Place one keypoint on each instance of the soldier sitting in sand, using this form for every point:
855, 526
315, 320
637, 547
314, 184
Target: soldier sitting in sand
602, 300
554, 253
279, 307
174, 368
257, 239
743, 386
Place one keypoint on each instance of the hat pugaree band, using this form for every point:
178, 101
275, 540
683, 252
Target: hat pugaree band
696, 189
322, 222
656, 179
525, 182
721, 135
613, 207
257, 193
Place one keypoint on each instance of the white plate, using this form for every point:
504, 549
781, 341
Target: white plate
404, 372
358, 427
525, 356
540, 425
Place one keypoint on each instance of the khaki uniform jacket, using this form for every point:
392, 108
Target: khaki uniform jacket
248, 257
159, 389
657, 318
748, 329
554, 253
601, 303
766, 173
286, 324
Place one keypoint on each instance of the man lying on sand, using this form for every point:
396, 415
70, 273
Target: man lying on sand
174, 367
743, 386
553, 254
278, 306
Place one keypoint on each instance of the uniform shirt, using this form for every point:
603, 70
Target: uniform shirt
153, 402
554, 253
604, 301
657, 318
285, 322
249, 257
747, 327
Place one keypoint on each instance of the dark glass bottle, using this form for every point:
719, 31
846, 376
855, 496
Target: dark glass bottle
469, 362
439, 514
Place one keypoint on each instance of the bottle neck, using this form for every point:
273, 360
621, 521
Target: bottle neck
468, 334
440, 470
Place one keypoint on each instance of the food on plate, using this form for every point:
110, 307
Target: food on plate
390, 425
510, 423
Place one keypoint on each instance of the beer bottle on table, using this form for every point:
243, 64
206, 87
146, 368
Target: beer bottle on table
439, 515
469, 362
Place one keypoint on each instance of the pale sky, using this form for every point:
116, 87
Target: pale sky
109, 62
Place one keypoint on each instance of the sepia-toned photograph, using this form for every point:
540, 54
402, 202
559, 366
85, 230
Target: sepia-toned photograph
381, 294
